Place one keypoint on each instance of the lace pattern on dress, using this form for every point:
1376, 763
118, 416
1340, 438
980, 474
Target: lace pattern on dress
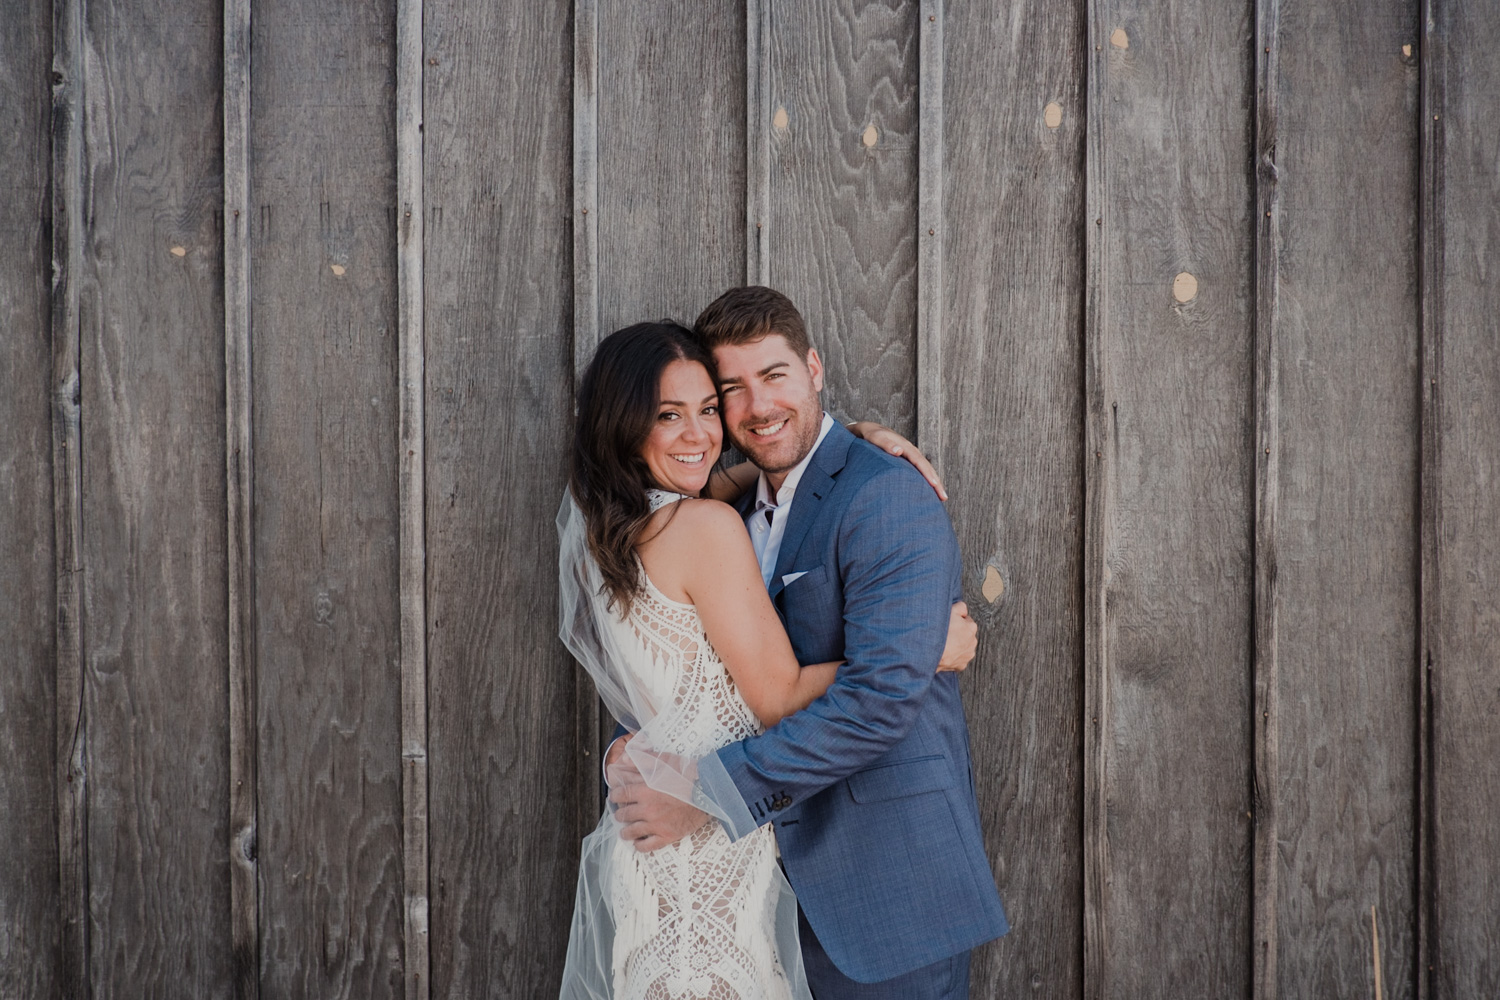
694, 918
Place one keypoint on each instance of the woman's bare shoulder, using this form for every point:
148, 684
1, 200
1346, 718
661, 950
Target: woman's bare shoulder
697, 522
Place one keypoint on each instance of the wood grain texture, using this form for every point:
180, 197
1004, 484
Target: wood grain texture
1430, 204
671, 159
324, 307
152, 411
30, 906
1266, 714
412, 462
1347, 537
503, 755
1467, 697
931, 229
844, 213
70, 775
1170, 414
239, 478
757, 141
1012, 377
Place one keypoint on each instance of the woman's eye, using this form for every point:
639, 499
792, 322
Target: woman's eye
666, 415
710, 411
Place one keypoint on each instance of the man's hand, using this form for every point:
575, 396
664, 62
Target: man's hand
649, 819
963, 640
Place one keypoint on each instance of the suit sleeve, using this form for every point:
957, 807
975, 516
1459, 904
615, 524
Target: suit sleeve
899, 563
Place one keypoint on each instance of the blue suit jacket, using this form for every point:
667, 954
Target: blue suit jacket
870, 788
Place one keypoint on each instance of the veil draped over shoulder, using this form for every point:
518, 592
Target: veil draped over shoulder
604, 931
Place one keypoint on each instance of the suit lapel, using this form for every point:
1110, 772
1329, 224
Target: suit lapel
812, 492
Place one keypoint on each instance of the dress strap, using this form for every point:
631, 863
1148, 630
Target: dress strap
660, 498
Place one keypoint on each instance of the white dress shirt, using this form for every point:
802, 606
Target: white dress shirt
767, 519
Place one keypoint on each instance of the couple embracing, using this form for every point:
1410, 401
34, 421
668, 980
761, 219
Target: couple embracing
779, 642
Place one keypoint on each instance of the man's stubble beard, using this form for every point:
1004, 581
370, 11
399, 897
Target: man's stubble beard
807, 437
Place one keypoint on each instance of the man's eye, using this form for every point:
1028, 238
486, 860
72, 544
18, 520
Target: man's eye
775, 375
726, 390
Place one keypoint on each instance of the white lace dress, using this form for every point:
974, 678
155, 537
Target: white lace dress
696, 919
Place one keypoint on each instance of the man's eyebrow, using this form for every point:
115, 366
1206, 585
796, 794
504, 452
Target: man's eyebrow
768, 369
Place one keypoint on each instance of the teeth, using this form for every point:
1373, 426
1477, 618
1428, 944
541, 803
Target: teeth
689, 459
768, 431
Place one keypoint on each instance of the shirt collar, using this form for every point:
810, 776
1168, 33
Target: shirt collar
789, 485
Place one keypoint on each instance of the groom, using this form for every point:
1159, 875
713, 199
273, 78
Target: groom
869, 789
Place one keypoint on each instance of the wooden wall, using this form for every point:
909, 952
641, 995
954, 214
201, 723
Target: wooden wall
1194, 303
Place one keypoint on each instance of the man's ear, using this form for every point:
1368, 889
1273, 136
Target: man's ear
815, 365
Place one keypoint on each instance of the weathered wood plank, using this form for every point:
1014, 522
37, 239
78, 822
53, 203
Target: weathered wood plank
151, 398
1266, 717
1170, 412
1347, 539
1467, 700
670, 160
239, 472
930, 335
844, 195
323, 302
1098, 486
757, 142
412, 458
585, 219
70, 776
29, 903
1012, 405
504, 764
1430, 236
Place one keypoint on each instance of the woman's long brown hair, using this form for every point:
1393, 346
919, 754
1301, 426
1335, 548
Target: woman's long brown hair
617, 405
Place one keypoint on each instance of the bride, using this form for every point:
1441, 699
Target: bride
663, 602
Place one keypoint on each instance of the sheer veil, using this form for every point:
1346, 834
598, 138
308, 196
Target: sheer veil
605, 645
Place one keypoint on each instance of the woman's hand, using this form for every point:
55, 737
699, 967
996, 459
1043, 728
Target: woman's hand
963, 640
892, 443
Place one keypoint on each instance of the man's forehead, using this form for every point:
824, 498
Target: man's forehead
771, 348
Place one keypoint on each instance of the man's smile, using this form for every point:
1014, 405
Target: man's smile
769, 429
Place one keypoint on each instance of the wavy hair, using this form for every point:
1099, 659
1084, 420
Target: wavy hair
617, 406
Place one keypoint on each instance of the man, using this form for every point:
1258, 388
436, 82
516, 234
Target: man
869, 789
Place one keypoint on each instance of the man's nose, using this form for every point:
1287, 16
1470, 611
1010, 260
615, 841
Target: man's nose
760, 402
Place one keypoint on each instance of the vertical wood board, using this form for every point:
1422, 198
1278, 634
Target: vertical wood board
1467, 697
844, 195
323, 304
671, 160
1347, 534
1012, 382
152, 410
412, 462
239, 475
503, 761
29, 901
1266, 711
70, 775
1171, 426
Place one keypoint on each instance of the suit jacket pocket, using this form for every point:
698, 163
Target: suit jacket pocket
901, 778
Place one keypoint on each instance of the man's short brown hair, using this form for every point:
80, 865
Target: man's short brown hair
745, 315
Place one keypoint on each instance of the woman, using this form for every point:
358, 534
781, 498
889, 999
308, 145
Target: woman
663, 602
